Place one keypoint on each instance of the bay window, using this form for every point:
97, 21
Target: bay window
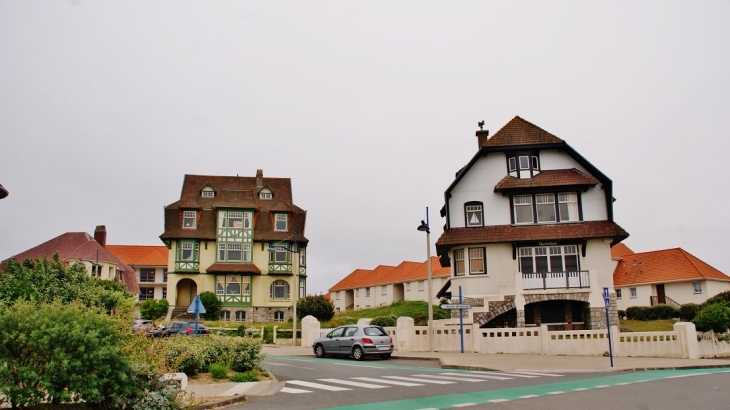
545, 205
549, 259
279, 289
546, 209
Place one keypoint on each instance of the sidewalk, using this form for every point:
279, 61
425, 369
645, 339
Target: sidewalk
222, 394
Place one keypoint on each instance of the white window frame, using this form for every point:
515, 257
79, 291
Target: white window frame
697, 287
337, 295
525, 201
459, 262
240, 316
512, 164
633, 293
276, 285
383, 289
190, 217
357, 293
477, 254
408, 286
568, 204
225, 315
207, 193
279, 255
367, 292
421, 285
187, 246
535, 163
545, 202
281, 218
527, 163
266, 195
471, 212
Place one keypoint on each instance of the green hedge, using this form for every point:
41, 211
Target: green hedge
192, 355
384, 321
656, 312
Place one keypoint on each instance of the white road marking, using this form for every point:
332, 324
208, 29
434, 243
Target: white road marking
483, 376
602, 386
622, 384
536, 374
465, 404
294, 391
503, 374
397, 383
411, 379
581, 389
529, 396
355, 384
498, 400
438, 376
289, 365
316, 385
556, 392
686, 375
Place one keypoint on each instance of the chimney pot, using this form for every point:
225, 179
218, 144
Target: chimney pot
482, 137
259, 178
100, 235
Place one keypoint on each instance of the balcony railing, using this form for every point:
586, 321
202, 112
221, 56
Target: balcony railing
555, 280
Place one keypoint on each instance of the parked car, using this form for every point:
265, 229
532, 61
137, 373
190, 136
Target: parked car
357, 341
184, 328
142, 324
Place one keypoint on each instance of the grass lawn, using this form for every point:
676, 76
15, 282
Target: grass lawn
647, 325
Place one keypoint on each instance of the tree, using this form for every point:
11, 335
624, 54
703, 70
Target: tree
212, 306
318, 306
152, 309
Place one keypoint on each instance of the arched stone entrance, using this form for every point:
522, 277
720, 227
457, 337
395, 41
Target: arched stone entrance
186, 290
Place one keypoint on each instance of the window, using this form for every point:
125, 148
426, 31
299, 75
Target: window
146, 293
280, 222
698, 287
240, 316
278, 316
225, 315
633, 292
524, 162
235, 219
384, 289
357, 292
208, 193
265, 195
545, 204
302, 256
233, 285
337, 295
535, 163
367, 292
476, 261
549, 259
302, 288
164, 293
279, 290
568, 206
95, 270
618, 293
421, 285
189, 219
523, 209
279, 255
512, 164
234, 252
164, 275
408, 286
474, 214
146, 275
459, 262
188, 251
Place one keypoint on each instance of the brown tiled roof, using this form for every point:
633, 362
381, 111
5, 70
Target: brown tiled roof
140, 255
233, 268
508, 233
234, 192
520, 132
663, 266
75, 246
550, 178
620, 250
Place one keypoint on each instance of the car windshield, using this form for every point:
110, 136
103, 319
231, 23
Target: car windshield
375, 331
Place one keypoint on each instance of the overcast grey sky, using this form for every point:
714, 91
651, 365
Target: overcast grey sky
370, 107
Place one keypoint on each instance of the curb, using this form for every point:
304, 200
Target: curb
633, 369
238, 398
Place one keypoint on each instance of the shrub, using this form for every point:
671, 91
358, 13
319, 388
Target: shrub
218, 370
318, 306
722, 298
621, 314
152, 309
713, 317
248, 376
268, 334
212, 306
384, 321
193, 354
688, 311
241, 331
663, 311
637, 313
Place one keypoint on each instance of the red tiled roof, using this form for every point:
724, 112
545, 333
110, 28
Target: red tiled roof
76, 246
663, 266
508, 233
140, 255
406, 271
349, 281
521, 132
550, 178
233, 268
376, 276
620, 250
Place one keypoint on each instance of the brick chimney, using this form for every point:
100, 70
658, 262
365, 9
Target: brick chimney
100, 235
259, 178
482, 136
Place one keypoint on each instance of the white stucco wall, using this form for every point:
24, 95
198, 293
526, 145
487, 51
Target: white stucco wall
478, 185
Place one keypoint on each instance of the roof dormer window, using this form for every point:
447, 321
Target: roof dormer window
207, 191
208, 194
523, 165
189, 219
280, 222
265, 195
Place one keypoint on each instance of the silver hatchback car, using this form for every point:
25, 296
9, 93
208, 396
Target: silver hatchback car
357, 341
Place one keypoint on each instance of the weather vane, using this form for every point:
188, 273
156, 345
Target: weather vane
481, 125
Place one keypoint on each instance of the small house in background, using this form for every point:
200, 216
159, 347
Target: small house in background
385, 285
670, 276
149, 263
91, 251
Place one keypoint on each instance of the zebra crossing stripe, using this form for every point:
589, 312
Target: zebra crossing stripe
503, 374
355, 384
293, 390
393, 382
411, 379
316, 385
537, 374
461, 379
481, 376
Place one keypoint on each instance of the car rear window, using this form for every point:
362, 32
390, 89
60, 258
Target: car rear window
375, 331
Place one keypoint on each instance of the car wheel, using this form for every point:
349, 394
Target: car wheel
319, 351
385, 356
357, 353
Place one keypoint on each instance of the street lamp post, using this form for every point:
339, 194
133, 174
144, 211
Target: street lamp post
424, 227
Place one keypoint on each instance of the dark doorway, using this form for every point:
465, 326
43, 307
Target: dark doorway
660, 295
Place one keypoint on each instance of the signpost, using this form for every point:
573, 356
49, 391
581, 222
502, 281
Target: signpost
607, 301
461, 307
197, 308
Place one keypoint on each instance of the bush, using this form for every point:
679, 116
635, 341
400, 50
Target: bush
621, 314
722, 298
663, 311
212, 306
688, 311
218, 370
193, 354
713, 317
152, 309
384, 321
318, 306
637, 313
268, 334
248, 376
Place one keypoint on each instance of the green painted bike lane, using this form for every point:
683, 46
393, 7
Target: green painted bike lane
517, 393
